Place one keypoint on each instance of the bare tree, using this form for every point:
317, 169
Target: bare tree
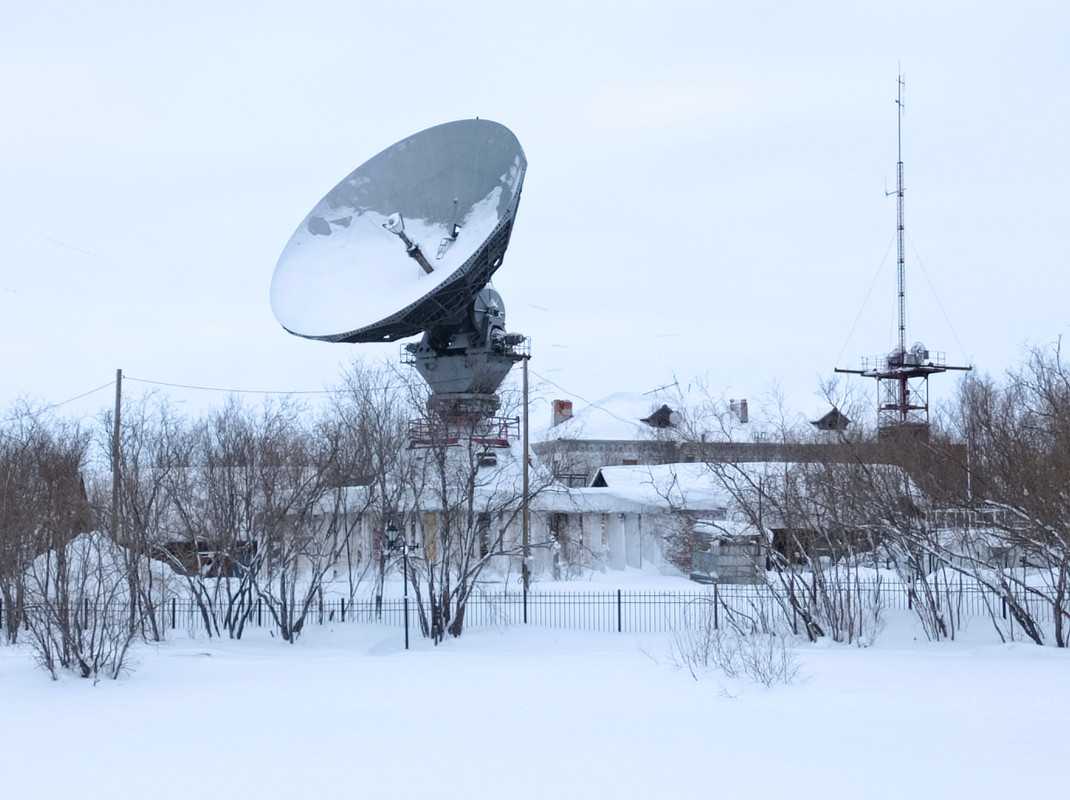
830, 503
212, 499
149, 453
467, 500
260, 512
371, 413
816, 547
1018, 435
72, 594
299, 519
22, 441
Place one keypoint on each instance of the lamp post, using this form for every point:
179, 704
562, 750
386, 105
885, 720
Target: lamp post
392, 537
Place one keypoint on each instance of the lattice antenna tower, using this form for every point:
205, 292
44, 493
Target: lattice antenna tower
902, 375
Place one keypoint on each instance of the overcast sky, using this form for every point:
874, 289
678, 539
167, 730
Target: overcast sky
705, 196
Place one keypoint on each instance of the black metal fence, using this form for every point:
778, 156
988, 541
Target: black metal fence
624, 611
630, 611
612, 611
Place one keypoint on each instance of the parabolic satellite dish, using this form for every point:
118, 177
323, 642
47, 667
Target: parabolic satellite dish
406, 244
405, 241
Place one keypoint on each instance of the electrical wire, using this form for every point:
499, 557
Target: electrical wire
50, 406
230, 391
939, 305
580, 398
83, 394
865, 302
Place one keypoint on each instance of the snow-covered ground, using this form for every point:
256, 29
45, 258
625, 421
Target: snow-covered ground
536, 713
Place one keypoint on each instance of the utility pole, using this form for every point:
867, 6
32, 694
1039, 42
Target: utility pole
115, 461
526, 569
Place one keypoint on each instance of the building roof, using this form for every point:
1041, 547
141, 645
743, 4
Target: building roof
680, 487
834, 420
617, 417
669, 416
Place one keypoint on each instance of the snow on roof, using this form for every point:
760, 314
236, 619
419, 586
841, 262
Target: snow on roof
732, 528
696, 416
571, 500
617, 417
687, 487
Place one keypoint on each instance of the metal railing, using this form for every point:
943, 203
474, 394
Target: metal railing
623, 611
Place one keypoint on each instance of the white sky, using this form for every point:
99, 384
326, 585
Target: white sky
705, 193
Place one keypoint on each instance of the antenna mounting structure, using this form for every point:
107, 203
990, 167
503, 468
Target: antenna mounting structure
407, 244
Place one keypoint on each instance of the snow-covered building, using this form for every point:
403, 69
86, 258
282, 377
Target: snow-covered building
623, 483
629, 516
635, 429
650, 456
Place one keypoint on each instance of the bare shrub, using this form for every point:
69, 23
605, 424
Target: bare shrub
749, 646
79, 608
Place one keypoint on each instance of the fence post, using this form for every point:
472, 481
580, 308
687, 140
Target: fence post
343, 614
174, 609
259, 620
619, 627
716, 603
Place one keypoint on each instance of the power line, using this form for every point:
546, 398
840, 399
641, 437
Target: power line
83, 394
50, 406
230, 391
583, 399
199, 388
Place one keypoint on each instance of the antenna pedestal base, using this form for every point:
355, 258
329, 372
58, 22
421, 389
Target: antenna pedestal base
475, 405
465, 362
478, 372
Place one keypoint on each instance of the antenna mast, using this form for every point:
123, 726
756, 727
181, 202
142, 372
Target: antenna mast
902, 375
901, 274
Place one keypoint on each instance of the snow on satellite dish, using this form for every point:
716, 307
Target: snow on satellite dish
406, 244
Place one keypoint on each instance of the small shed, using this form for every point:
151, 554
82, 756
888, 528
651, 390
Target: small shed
725, 553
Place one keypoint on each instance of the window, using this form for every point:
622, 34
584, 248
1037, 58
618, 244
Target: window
483, 533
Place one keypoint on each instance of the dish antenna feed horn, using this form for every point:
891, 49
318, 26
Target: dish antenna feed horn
406, 245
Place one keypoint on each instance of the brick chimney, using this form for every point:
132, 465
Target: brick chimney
562, 411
